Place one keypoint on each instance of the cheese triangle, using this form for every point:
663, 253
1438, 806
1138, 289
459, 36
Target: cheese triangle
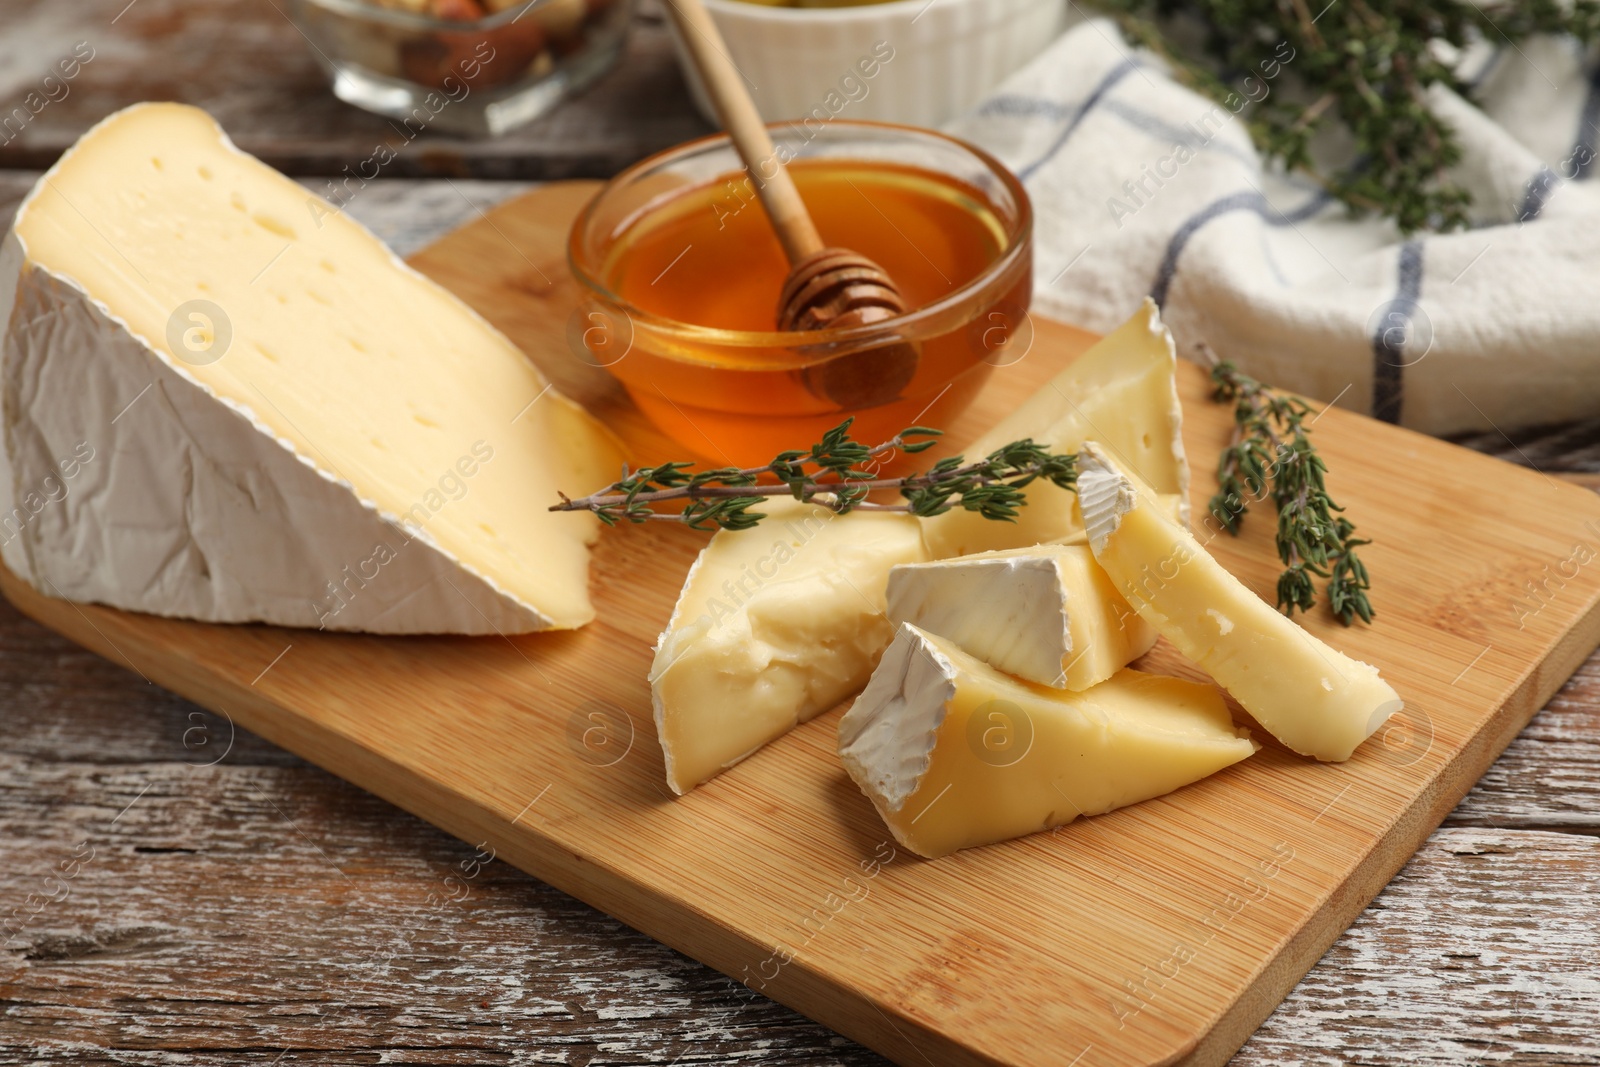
1313, 698
224, 401
954, 753
774, 626
1123, 393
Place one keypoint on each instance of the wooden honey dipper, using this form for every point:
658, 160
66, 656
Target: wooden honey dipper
827, 288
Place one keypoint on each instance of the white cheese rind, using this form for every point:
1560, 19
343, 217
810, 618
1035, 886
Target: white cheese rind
774, 626
12, 258
1122, 392
886, 739
186, 508
206, 498
954, 753
1313, 698
1103, 498
1047, 614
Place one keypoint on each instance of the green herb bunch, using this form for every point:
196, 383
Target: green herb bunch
1364, 64
1271, 454
837, 472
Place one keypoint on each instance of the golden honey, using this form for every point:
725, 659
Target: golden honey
691, 276
710, 257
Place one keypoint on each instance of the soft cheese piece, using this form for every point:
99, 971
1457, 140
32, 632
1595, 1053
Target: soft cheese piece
955, 753
1047, 614
265, 415
775, 625
1313, 698
1123, 393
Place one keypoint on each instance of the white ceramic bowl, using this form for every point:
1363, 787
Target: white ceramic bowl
918, 62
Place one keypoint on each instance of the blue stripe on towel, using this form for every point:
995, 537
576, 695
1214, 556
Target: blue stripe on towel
1583, 145
1246, 201
1389, 340
1537, 194
1013, 105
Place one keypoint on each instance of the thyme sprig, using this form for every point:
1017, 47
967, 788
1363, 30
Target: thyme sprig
836, 472
1360, 65
1271, 454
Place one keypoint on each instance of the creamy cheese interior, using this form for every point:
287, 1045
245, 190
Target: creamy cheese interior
259, 291
774, 626
1312, 697
955, 753
1123, 393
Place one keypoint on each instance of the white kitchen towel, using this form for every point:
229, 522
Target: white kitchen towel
1142, 187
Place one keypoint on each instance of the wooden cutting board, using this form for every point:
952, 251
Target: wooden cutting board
1160, 934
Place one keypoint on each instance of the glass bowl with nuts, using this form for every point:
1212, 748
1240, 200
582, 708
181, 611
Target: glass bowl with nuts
474, 67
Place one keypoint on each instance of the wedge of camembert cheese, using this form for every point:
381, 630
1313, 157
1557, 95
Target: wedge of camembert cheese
774, 626
1123, 393
1047, 614
954, 753
224, 400
1313, 698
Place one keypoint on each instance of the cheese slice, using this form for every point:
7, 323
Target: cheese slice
775, 625
954, 753
282, 422
1047, 614
1123, 393
1313, 698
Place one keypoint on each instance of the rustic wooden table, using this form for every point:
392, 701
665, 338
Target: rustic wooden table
234, 904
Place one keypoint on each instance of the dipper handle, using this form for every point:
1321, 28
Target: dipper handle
725, 85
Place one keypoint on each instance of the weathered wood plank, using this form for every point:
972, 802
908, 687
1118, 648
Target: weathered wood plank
242, 911
1481, 951
1549, 777
236, 910
1573, 446
224, 913
14, 185
249, 66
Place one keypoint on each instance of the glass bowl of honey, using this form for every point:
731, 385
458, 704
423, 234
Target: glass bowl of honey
682, 274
